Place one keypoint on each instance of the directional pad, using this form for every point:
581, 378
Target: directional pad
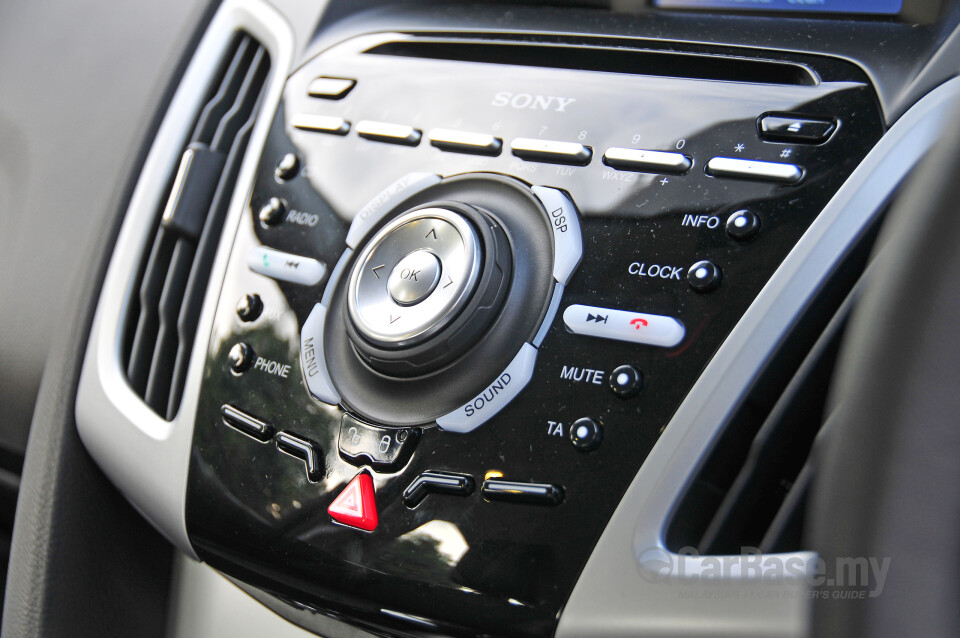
356, 506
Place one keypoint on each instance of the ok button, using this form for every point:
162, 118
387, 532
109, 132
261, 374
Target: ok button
414, 277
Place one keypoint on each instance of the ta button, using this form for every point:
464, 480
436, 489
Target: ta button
414, 277
586, 434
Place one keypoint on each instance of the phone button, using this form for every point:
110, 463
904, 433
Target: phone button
622, 325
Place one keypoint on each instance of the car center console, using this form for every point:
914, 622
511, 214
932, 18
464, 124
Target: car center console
473, 281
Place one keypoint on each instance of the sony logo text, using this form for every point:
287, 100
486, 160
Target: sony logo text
532, 102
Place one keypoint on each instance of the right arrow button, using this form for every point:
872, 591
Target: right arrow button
635, 327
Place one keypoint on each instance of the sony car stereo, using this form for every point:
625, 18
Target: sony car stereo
474, 280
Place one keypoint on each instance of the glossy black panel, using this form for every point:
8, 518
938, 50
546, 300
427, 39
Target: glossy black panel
466, 564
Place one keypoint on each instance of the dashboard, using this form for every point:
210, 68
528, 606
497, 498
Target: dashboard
434, 318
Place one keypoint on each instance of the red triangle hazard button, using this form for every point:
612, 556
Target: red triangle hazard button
356, 505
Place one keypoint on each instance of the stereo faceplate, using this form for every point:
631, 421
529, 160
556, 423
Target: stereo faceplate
501, 519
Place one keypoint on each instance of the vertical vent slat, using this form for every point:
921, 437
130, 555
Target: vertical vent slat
751, 489
220, 102
161, 321
246, 98
165, 349
150, 289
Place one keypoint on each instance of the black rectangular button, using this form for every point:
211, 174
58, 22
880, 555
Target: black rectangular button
434, 482
383, 449
802, 130
249, 425
522, 492
303, 449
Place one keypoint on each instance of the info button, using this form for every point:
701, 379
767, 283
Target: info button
635, 327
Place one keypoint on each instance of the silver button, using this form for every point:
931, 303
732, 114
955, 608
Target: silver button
377, 308
551, 151
386, 132
321, 123
330, 88
465, 141
754, 169
634, 159
414, 278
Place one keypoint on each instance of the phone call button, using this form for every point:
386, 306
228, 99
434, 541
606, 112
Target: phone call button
624, 325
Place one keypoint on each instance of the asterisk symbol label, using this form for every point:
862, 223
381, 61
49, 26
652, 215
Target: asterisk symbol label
738, 148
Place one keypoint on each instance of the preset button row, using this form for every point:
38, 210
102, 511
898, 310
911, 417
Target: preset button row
554, 151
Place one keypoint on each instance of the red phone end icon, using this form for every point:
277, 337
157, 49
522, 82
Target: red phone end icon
636, 323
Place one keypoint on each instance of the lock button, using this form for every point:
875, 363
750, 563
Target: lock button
382, 449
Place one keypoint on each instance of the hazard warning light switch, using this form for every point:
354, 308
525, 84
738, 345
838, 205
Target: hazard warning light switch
356, 505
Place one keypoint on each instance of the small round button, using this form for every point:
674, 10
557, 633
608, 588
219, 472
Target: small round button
249, 307
704, 276
743, 225
414, 277
241, 357
272, 212
288, 167
586, 434
625, 381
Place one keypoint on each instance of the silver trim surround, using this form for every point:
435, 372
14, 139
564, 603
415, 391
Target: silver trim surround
145, 456
622, 589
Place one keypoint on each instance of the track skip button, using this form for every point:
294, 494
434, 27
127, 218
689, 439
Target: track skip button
621, 325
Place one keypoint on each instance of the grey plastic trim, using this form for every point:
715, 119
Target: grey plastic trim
204, 603
631, 584
145, 456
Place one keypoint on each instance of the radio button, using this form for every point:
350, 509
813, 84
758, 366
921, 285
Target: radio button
465, 142
551, 152
607, 323
386, 132
330, 88
632, 159
321, 123
754, 169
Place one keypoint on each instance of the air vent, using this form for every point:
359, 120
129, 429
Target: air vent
161, 322
752, 490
